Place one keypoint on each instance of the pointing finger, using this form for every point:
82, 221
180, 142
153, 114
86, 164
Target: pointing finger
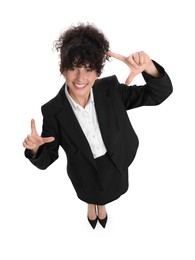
33, 127
117, 56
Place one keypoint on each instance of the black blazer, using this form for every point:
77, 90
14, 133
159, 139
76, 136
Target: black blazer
112, 99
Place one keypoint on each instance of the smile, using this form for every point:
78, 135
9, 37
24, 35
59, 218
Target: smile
79, 86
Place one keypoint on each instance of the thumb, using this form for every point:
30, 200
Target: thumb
130, 78
48, 139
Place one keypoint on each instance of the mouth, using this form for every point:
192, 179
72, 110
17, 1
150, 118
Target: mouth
80, 86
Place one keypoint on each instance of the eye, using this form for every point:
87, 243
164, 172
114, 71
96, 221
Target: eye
89, 70
72, 69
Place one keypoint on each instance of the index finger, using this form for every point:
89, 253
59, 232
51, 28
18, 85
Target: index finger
117, 56
33, 127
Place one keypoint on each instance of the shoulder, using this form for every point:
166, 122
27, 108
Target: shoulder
54, 103
106, 80
106, 84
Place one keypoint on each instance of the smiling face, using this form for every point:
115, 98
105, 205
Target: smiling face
83, 53
80, 81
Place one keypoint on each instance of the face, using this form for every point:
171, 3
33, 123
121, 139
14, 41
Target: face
80, 81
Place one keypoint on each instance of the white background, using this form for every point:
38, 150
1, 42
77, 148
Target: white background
40, 216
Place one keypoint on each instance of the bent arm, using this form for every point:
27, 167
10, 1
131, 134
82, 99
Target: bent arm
48, 152
154, 92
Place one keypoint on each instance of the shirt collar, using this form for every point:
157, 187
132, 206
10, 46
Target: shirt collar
74, 103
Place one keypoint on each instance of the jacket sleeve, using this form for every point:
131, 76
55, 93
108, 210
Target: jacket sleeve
154, 92
48, 152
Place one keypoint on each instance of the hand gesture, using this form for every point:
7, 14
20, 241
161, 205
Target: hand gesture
34, 141
137, 62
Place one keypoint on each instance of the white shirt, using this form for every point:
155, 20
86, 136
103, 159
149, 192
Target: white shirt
87, 119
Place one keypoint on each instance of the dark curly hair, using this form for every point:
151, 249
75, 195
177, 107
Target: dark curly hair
82, 45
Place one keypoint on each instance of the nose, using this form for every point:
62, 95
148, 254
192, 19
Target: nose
80, 75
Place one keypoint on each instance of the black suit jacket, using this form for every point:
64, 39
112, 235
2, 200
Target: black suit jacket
112, 99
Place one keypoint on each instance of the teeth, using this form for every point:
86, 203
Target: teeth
80, 85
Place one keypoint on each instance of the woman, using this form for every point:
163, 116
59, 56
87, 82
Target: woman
88, 118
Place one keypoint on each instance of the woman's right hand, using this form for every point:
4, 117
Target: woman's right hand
34, 141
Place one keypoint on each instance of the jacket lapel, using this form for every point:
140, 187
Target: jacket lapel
102, 106
107, 122
69, 123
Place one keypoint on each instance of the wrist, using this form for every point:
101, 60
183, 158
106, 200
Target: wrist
152, 70
34, 151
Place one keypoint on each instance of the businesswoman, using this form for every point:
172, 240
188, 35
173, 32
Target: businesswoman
88, 117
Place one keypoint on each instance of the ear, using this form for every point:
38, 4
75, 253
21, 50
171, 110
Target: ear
64, 74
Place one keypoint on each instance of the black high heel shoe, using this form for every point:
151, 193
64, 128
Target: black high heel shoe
103, 221
92, 222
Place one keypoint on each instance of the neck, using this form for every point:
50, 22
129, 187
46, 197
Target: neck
82, 101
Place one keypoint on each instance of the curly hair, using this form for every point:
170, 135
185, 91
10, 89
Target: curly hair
82, 45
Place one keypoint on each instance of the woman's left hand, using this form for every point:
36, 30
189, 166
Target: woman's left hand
137, 62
